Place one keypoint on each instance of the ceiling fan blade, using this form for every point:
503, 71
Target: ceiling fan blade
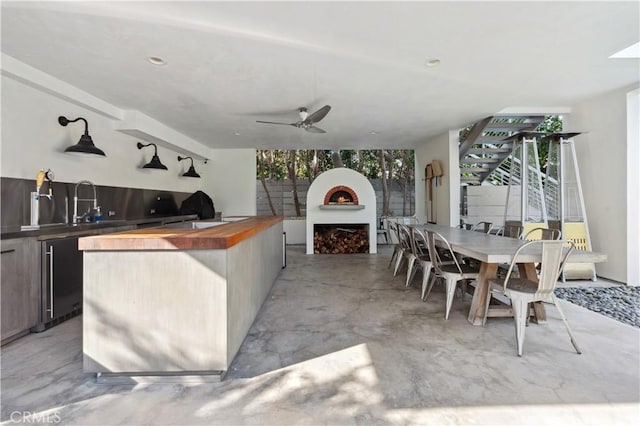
273, 122
314, 129
318, 115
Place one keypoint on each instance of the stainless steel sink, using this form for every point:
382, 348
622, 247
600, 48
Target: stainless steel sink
234, 218
193, 225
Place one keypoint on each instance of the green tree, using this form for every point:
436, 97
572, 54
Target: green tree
550, 124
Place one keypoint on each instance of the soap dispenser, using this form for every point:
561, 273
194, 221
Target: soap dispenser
97, 217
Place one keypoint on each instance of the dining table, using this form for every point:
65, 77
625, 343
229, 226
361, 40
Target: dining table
491, 251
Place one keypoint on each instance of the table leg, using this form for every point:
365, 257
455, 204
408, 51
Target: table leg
476, 313
528, 271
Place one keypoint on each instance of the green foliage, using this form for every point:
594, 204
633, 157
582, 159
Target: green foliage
272, 163
550, 124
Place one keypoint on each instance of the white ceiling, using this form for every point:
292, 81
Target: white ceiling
229, 64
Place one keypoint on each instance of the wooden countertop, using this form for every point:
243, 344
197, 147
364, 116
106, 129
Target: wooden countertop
167, 238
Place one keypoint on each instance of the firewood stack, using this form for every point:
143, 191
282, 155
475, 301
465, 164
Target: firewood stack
339, 241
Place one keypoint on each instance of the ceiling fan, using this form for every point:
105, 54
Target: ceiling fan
307, 120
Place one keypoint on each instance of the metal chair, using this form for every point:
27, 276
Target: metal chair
511, 231
523, 291
420, 258
485, 227
545, 234
382, 230
397, 249
404, 237
452, 272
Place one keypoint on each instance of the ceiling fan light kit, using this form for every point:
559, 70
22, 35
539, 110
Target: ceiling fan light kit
307, 120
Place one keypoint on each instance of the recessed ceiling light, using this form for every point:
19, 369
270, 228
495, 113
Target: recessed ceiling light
432, 62
373, 132
237, 133
156, 60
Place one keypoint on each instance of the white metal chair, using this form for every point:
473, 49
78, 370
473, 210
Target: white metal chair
452, 272
405, 246
397, 249
420, 258
523, 291
485, 227
542, 234
511, 231
382, 231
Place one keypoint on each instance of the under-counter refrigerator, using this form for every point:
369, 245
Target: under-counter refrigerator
61, 281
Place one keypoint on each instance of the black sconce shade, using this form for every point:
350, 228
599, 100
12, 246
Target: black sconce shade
155, 160
192, 171
85, 144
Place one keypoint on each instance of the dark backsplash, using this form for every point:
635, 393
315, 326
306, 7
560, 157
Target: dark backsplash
127, 203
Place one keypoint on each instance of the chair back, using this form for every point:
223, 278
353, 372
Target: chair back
512, 231
485, 227
393, 227
434, 237
404, 237
554, 257
419, 243
542, 234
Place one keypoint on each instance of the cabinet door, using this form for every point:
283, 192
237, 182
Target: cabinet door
20, 289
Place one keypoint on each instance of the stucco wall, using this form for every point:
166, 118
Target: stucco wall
32, 140
446, 200
602, 157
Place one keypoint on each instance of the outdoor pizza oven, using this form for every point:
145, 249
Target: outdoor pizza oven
341, 195
341, 213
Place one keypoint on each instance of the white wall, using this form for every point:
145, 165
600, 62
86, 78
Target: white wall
633, 187
232, 181
446, 200
296, 230
32, 140
602, 158
485, 203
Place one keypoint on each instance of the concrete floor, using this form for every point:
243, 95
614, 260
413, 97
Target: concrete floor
339, 341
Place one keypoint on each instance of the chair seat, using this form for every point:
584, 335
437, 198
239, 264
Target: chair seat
520, 285
453, 269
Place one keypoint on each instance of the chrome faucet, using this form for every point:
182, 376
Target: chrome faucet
77, 218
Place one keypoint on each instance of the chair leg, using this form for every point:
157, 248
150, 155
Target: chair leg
399, 261
411, 271
451, 291
431, 283
566, 324
393, 256
425, 279
463, 288
520, 309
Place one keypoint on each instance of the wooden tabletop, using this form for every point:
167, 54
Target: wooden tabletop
498, 249
168, 238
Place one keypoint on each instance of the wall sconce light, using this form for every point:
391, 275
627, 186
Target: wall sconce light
155, 160
192, 171
85, 144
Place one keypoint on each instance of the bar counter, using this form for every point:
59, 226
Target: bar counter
175, 302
